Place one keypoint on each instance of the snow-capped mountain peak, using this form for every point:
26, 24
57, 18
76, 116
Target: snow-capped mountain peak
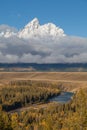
29, 29
34, 30
52, 30
34, 24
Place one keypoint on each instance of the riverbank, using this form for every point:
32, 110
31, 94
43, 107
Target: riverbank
64, 97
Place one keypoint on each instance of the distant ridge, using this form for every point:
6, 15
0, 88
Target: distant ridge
79, 67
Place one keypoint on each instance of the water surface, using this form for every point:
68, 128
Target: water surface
63, 97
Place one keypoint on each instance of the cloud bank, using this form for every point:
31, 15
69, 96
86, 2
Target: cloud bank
40, 44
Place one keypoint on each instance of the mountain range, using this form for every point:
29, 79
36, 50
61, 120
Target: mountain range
33, 30
42, 44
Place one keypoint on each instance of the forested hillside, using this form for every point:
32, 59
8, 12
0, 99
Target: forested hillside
22, 93
55, 116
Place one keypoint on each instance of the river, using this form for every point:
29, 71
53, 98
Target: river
64, 97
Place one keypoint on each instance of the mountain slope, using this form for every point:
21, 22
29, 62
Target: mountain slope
34, 29
37, 43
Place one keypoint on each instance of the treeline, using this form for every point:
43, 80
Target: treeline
69, 116
22, 93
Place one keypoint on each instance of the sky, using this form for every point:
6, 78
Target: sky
60, 35
71, 15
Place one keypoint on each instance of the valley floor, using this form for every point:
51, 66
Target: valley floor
69, 81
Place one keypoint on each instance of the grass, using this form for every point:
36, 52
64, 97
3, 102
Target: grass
69, 81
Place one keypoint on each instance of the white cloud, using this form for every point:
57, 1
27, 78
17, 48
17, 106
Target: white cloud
41, 48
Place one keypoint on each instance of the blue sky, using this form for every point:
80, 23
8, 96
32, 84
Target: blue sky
71, 15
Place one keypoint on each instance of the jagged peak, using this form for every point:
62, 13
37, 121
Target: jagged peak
34, 22
33, 29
